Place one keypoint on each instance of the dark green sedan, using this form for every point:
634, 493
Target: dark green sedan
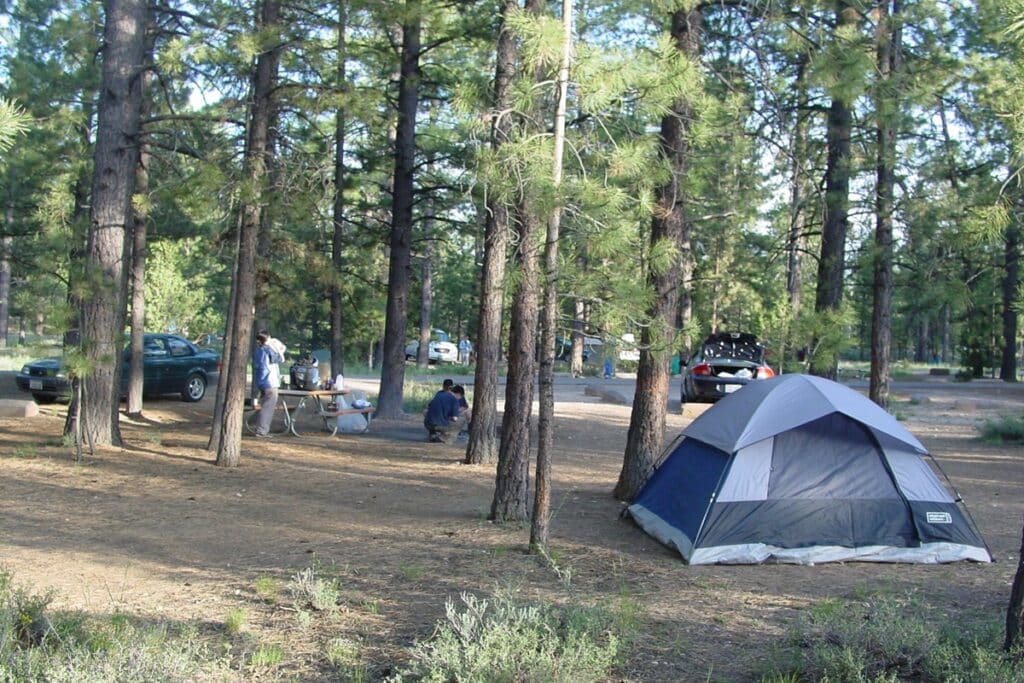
171, 365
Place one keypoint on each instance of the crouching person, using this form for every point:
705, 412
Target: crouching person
444, 417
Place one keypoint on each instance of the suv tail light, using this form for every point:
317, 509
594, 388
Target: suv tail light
765, 372
702, 369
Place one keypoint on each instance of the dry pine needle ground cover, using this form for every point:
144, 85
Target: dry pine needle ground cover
156, 531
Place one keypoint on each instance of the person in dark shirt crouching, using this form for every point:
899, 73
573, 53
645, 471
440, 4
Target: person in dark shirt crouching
445, 417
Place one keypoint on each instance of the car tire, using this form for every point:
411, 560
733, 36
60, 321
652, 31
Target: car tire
195, 388
44, 399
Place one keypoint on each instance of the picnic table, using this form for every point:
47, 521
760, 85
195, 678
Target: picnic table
321, 403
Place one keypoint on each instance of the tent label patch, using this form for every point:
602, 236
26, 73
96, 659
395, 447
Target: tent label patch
939, 518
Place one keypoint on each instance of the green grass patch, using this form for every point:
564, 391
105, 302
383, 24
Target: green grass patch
39, 644
266, 656
311, 588
267, 588
886, 638
1006, 429
235, 620
346, 659
412, 572
498, 639
26, 452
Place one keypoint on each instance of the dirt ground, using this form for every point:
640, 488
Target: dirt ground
157, 531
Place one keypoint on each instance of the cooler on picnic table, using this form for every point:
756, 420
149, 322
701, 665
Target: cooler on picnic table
305, 374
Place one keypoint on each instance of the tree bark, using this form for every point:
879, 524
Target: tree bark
511, 489
426, 296
483, 440
539, 529
115, 160
1011, 281
578, 337
832, 263
139, 253
140, 218
220, 397
1014, 642
392, 376
265, 236
888, 40
5, 276
795, 240
669, 226
244, 286
338, 207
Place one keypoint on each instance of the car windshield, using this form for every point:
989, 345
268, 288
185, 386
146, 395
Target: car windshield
744, 347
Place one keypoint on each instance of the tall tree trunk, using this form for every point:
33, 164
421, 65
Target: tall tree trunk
392, 376
1015, 610
244, 287
483, 440
5, 275
511, 487
795, 240
947, 334
669, 227
832, 263
511, 490
426, 296
115, 160
549, 318
140, 218
76, 252
889, 44
76, 257
338, 234
139, 253
921, 343
220, 396
1011, 280
578, 336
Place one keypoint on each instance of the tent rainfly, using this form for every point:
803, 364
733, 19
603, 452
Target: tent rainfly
800, 469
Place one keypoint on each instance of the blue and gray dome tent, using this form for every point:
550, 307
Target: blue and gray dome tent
801, 469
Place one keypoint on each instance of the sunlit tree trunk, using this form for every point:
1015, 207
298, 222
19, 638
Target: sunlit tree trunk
115, 161
140, 219
889, 44
1011, 281
338, 207
832, 262
511, 488
392, 377
139, 253
483, 441
669, 226
549, 316
426, 296
244, 286
5, 275
1015, 609
578, 336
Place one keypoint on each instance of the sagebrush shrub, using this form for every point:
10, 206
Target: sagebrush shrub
498, 640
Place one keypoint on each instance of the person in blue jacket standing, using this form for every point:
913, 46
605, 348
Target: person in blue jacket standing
267, 377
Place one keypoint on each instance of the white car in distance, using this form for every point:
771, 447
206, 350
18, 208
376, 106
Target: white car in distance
441, 349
